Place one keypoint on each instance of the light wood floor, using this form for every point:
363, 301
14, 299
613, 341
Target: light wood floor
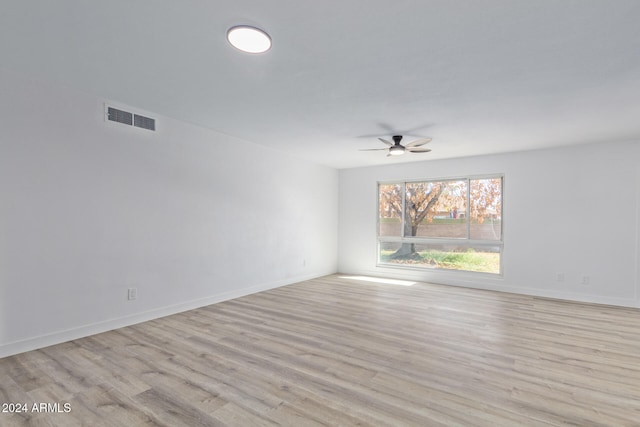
340, 352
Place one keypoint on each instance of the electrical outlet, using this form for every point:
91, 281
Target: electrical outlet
132, 294
560, 277
584, 279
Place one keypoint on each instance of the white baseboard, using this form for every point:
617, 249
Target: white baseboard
498, 284
58, 337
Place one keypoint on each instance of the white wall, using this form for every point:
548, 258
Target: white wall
186, 215
573, 210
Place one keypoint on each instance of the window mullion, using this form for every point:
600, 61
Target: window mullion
468, 213
404, 208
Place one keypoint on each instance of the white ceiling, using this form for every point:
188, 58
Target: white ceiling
477, 76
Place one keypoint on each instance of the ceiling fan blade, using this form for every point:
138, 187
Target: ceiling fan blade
418, 150
372, 149
386, 142
418, 142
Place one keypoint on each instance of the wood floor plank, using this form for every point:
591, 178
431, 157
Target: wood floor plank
337, 351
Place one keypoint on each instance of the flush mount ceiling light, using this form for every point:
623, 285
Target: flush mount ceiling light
249, 39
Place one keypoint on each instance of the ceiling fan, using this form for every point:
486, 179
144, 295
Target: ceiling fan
396, 149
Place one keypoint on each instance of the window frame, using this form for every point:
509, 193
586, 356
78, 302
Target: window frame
460, 241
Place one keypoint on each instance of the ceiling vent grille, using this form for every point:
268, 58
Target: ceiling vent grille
120, 116
144, 122
128, 118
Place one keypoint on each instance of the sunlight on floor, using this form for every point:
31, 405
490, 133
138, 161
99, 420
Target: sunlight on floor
378, 280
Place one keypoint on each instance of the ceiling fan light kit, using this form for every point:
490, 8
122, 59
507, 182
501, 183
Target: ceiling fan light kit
396, 150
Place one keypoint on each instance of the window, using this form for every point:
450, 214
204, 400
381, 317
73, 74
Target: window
453, 224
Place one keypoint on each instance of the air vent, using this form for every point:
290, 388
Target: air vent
119, 116
128, 118
144, 122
